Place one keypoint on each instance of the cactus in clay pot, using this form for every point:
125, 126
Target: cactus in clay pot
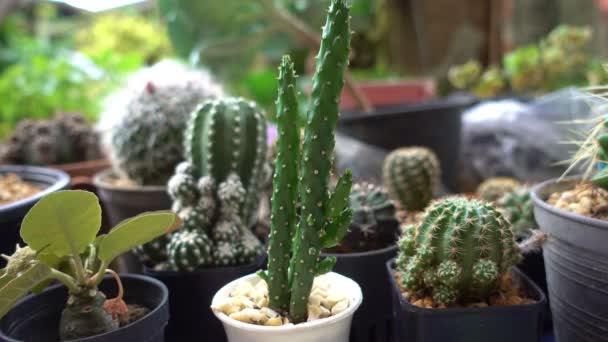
374, 224
303, 178
67, 138
494, 188
216, 190
458, 252
411, 175
143, 123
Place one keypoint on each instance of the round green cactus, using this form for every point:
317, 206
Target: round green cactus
458, 252
494, 188
190, 248
228, 136
144, 122
411, 176
518, 208
154, 252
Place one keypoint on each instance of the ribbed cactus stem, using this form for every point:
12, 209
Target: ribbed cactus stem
229, 136
285, 185
316, 162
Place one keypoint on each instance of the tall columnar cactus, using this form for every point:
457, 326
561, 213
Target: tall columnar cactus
411, 175
324, 218
143, 123
67, 138
458, 252
228, 136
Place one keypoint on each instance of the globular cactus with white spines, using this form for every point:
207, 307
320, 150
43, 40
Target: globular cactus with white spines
226, 136
494, 188
302, 180
143, 123
458, 252
412, 175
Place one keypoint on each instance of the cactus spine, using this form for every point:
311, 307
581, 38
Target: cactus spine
228, 136
411, 176
518, 208
458, 252
324, 219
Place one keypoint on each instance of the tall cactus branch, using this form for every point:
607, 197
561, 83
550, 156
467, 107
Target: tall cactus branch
285, 185
316, 162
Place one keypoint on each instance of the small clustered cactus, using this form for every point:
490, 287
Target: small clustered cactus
492, 189
458, 252
412, 175
216, 190
518, 208
67, 138
374, 224
301, 180
143, 123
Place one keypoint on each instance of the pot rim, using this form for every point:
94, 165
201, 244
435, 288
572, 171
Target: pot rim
99, 181
532, 289
542, 203
91, 163
374, 252
61, 181
139, 277
320, 323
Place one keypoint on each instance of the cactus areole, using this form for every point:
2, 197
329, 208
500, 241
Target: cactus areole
458, 252
296, 241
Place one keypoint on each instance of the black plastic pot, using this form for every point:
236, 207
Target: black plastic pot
36, 317
125, 202
12, 214
521, 323
576, 261
190, 295
373, 320
434, 124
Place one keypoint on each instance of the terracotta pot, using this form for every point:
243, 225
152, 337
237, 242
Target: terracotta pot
386, 93
83, 172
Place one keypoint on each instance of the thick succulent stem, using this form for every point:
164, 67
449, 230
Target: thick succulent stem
316, 162
285, 185
84, 316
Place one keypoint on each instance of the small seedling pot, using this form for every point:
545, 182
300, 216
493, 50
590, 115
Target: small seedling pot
521, 323
576, 261
190, 295
373, 321
124, 202
332, 329
12, 214
36, 317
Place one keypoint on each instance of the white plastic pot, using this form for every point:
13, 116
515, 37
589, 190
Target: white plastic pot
332, 329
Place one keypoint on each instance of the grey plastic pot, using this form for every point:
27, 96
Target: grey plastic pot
12, 214
576, 261
125, 202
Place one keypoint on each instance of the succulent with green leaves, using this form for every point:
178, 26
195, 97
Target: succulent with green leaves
302, 179
67, 138
60, 229
458, 252
412, 175
466, 75
374, 223
217, 189
143, 123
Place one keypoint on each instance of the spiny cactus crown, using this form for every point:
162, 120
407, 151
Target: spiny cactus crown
412, 175
374, 219
213, 232
518, 208
458, 252
302, 179
494, 188
67, 138
143, 122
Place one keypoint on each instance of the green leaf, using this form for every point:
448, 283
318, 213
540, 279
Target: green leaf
12, 291
63, 223
339, 198
337, 228
325, 265
136, 231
